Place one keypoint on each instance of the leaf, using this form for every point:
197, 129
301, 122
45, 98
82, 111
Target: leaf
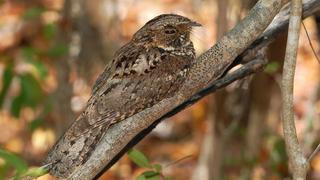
30, 95
49, 30
19, 165
14, 161
154, 177
141, 177
41, 69
31, 56
3, 170
6, 79
16, 105
58, 50
31, 91
34, 172
149, 175
277, 153
280, 150
157, 167
33, 13
29, 53
168, 178
35, 124
139, 158
272, 67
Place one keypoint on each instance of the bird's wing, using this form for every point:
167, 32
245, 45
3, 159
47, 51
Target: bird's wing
121, 65
105, 107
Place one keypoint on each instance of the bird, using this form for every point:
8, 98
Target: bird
151, 67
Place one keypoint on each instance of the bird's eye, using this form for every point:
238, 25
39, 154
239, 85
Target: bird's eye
170, 31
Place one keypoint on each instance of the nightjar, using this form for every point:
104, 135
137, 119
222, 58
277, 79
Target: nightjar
146, 70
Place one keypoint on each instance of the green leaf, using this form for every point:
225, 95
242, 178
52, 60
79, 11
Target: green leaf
168, 178
280, 149
14, 161
29, 53
35, 124
16, 105
31, 56
139, 158
6, 79
49, 30
34, 172
154, 177
157, 167
278, 155
149, 175
30, 90
33, 13
30, 95
141, 177
41, 69
272, 67
58, 50
4, 170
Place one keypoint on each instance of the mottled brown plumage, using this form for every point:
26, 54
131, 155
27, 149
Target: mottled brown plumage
148, 69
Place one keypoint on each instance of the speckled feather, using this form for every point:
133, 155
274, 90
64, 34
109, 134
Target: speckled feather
148, 69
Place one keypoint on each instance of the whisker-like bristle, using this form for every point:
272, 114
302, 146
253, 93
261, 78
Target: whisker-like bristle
196, 36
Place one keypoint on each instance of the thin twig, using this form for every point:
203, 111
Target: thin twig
297, 160
310, 43
314, 153
179, 160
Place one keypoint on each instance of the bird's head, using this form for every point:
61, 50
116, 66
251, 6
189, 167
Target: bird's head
167, 31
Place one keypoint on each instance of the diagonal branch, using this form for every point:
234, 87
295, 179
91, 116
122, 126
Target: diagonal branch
314, 153
279, 24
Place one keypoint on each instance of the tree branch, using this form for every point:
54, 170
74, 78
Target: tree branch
207, 74
279, 24
314, 153
297, 161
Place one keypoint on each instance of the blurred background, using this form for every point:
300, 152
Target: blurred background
51, 52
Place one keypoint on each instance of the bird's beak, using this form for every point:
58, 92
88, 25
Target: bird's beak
194, 23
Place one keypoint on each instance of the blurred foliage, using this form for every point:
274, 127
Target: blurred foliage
153, 172
272, 67
278, 156
139, 158
32, 57
57, 50
49, 30
32, 13
14, 161
30, 95
27, 69
18, 165
6, 80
